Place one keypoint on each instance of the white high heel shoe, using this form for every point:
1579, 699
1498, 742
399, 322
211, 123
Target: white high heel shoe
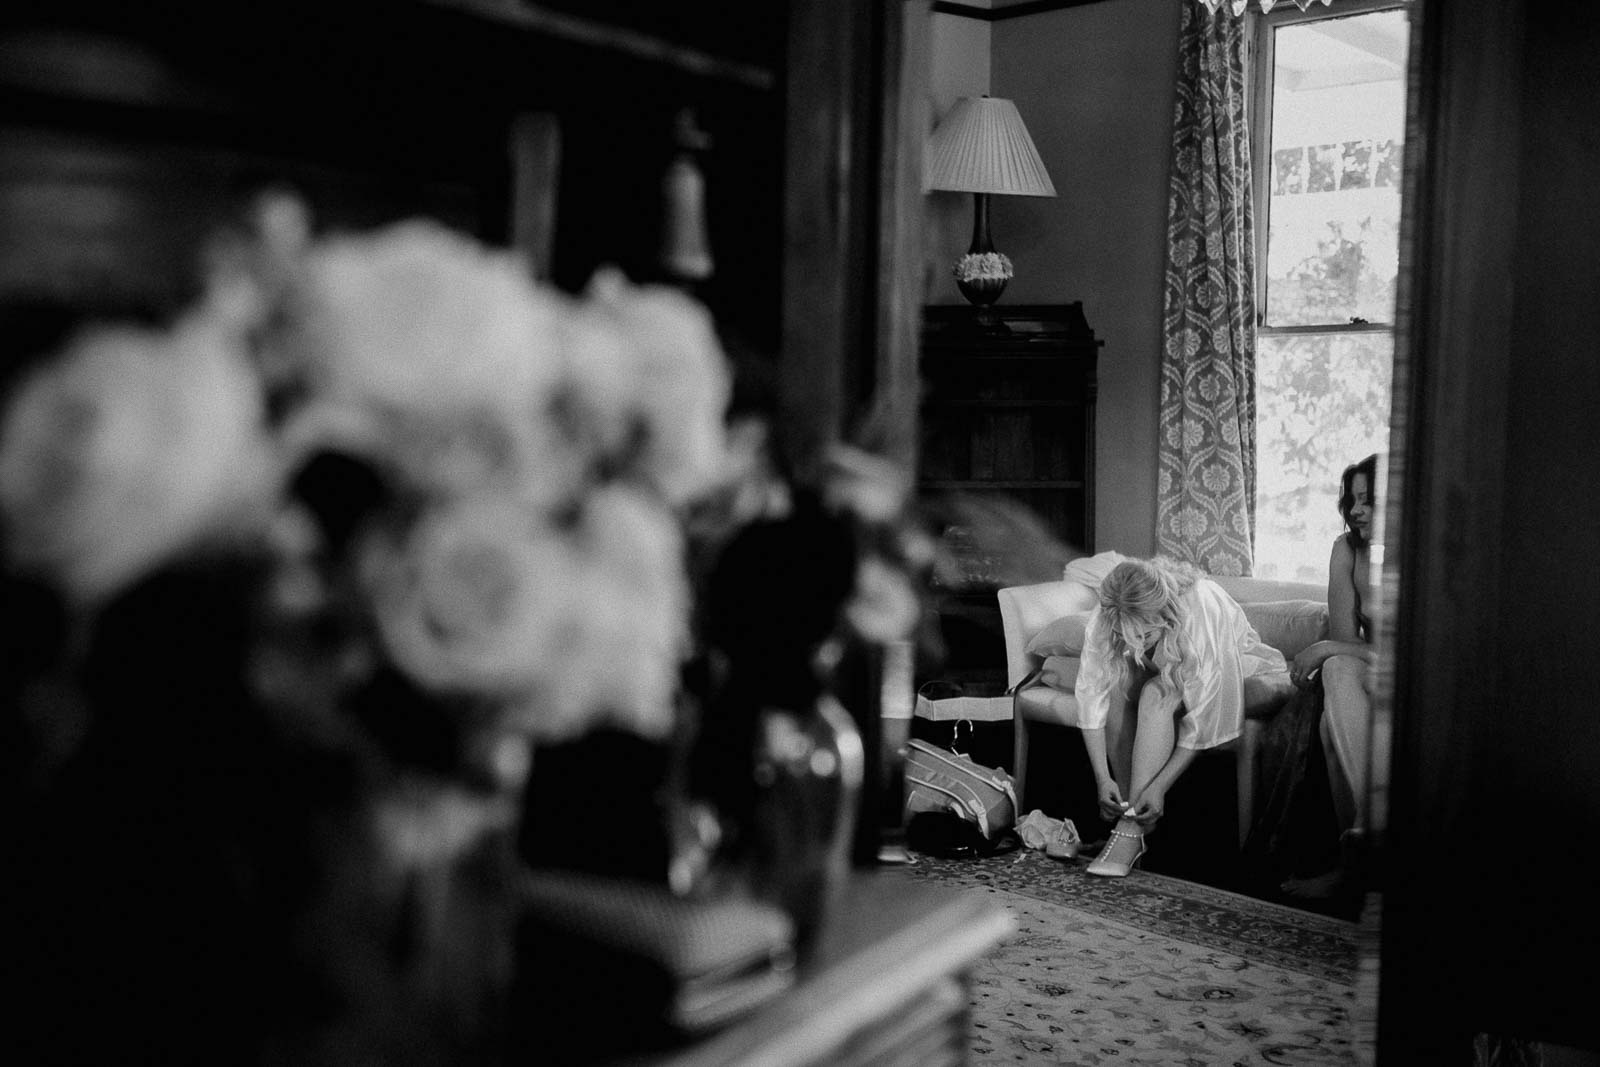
1114, 861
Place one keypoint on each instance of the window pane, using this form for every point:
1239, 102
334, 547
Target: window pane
1338, 123
1322, 403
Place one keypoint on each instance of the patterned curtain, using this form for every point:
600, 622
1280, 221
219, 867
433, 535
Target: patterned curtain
1206, 492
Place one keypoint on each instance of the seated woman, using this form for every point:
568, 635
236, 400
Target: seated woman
1165, 657
1343, 664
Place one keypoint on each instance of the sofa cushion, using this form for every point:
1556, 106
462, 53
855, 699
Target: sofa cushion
1060, 672
1044, 703
1247, 590
1288, 625
1027, 609
1063, 637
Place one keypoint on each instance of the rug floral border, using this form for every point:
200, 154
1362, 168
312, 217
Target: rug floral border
1304, 942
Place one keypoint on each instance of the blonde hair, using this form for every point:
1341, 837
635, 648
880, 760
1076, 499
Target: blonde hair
1139, 594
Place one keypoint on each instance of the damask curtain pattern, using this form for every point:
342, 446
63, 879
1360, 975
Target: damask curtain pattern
1205, 494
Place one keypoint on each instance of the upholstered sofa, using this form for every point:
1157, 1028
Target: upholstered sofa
1043, 628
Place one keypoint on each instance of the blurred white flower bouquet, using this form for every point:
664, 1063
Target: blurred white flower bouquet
345, 543
454, 471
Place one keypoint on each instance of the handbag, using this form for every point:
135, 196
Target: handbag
954, 806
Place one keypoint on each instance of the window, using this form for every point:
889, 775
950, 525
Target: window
1328, 136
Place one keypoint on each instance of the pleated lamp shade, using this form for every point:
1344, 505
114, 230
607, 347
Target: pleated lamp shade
983, 147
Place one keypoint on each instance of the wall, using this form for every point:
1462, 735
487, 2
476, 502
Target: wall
959, 66
1094, 84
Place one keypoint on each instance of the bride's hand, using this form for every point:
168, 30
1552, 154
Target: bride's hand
1111, 805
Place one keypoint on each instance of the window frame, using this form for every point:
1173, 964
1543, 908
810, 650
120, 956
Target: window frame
1261, 62
1260, 65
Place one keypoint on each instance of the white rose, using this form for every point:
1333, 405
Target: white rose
573, 625
416, 317
651, 382
136, 446
616, 656
459, 453
467, 597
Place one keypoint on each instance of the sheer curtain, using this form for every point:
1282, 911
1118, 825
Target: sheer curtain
1205, 495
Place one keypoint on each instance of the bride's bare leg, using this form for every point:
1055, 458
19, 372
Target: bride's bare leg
1157, 735
1121, 728
1154, 735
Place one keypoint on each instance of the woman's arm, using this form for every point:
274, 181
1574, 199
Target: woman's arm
1311, 658
1342, 623
1094, 742
1344, 634
1107, 793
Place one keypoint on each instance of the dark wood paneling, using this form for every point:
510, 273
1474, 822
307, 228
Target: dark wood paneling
133, 130
1489, 921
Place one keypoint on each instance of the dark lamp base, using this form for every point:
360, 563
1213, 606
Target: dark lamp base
982, 291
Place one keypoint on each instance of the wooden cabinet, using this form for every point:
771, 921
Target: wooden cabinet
1008, 420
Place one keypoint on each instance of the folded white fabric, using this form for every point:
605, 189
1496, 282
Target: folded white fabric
1056, 838
1092, 570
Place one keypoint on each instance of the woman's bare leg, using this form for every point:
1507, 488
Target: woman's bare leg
1347, 740
1156, 736
1120, 733
1347, 735
1154, 733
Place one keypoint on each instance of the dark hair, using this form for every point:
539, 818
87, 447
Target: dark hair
1347, 495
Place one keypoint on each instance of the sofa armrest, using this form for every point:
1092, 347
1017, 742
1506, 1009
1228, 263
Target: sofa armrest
1027, 609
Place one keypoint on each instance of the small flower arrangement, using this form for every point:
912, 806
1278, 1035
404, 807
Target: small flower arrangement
983, 266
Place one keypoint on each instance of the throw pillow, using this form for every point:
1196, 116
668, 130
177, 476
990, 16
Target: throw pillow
1063, 637
1092, 570
1061, 672
1288, 625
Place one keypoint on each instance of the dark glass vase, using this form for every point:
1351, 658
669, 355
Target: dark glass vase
809, 769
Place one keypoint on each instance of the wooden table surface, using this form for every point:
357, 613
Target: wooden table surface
886, 984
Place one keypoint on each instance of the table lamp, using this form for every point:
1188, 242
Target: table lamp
983, 148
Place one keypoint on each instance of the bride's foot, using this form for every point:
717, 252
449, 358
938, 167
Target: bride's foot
1122, 851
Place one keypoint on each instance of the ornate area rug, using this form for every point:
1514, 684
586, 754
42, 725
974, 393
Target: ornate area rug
1152, 970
